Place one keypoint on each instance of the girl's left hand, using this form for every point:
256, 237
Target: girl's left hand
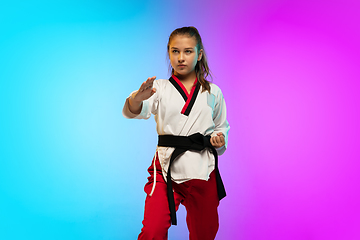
218, 141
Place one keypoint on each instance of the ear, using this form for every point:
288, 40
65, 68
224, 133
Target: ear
200, 55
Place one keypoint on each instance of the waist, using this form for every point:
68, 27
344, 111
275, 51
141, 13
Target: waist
195, 141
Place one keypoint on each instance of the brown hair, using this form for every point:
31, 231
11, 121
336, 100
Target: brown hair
201, 69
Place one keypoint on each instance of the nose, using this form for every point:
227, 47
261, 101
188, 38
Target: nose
181, 57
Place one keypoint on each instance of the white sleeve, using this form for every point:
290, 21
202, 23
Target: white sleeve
148, 107
219, 118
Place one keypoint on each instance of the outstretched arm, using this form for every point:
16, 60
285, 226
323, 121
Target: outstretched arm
145, 91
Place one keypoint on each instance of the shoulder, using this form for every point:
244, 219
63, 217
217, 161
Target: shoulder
161, 82
161, 86
215, 90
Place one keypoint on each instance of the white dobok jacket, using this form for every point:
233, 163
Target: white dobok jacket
179, 113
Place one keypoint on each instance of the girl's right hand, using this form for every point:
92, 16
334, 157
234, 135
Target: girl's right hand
145, 91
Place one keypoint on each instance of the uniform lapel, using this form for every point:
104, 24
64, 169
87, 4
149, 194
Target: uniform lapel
188, 98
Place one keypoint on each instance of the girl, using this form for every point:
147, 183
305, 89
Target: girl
190, 114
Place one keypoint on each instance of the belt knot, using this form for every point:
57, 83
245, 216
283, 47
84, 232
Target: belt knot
199, 141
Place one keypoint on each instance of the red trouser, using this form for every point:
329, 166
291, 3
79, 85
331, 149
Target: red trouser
199, 198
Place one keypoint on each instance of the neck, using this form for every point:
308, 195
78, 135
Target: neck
186, 78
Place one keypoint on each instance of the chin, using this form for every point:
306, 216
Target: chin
183, 73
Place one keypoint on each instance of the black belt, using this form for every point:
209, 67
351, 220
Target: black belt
181, 144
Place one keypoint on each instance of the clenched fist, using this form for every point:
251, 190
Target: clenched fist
218, 140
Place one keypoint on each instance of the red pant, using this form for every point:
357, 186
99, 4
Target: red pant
199, 198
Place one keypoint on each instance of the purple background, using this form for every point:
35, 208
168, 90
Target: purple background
294, 110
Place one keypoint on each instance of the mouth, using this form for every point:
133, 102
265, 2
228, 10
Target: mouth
181, 66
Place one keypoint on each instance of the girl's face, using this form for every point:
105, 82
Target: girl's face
184, 55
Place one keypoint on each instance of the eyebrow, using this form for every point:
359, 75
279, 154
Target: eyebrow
185, 48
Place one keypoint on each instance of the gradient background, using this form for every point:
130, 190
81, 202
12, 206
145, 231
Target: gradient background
73, 168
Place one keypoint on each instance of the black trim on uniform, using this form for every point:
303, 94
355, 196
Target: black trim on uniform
177, 86
192, 100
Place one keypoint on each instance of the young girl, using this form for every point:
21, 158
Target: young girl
190, 114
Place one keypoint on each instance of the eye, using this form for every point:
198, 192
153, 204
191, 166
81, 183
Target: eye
174, 51
188, 51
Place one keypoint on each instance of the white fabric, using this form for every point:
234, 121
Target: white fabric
207, 116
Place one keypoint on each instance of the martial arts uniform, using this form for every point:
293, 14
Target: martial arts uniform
179, 113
